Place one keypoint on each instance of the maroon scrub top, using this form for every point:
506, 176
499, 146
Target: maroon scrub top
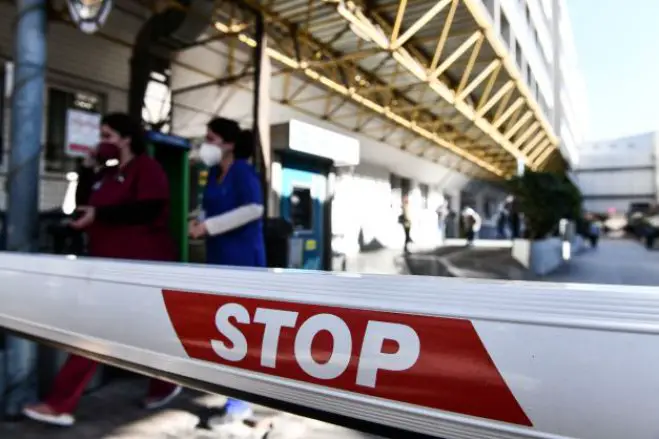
142, 179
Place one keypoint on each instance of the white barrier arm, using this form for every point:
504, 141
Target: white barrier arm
406, 356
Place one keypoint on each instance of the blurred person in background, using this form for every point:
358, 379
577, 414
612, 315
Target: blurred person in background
123, 205
595, 230
232, 218
503, 218
442, 214
514, 217
405, 220
473, 223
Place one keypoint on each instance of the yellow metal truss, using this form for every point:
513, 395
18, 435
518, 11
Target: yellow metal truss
433, 68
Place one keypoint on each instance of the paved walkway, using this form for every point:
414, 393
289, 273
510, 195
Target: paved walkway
383, 261
617, 262
112, 413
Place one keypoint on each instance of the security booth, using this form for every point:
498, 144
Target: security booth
303, 170
172, 154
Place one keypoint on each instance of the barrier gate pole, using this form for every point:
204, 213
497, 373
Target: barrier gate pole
23, 179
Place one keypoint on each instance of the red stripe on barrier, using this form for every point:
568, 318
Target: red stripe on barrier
434, 362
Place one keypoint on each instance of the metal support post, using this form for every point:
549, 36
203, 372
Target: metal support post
23, 180
261, 156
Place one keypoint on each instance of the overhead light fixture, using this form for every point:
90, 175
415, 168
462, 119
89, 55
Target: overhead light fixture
89, 15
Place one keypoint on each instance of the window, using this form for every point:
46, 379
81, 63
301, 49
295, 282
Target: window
536, 38
489, 4
527, 14
59, 102
518, 55
301, 208
505, 29
405, 186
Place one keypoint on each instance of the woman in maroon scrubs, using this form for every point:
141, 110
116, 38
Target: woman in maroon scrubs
123, 199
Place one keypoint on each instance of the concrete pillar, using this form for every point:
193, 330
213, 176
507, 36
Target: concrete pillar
23, 182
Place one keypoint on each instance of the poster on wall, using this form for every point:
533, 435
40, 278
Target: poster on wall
83, 131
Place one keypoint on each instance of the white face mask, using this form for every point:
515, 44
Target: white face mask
210, 154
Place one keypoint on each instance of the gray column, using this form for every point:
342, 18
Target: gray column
27, 106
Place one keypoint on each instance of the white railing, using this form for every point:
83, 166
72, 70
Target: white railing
440, 357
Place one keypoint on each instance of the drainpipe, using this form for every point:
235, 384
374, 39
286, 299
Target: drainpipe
27, 105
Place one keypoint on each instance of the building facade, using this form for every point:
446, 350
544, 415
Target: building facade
619, 174
539, 36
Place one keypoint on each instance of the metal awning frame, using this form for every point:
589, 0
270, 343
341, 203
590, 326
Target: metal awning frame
483, 136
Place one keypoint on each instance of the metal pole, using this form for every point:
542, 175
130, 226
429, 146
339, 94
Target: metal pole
27, 105
259, 156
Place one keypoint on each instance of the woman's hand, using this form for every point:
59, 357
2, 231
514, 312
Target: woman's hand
197, 229
88, 215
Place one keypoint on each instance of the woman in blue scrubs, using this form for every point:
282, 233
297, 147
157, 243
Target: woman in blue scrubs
232, 204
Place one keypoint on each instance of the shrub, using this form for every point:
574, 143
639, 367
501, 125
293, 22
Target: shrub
544, 198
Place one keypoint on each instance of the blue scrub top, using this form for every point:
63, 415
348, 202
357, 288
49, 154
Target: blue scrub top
245, 245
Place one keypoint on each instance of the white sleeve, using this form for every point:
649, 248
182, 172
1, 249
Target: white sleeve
233, 219
477, 221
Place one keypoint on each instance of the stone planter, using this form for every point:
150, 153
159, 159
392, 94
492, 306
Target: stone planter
541, 257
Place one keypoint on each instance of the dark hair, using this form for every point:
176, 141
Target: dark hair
229, 130
126, 126
244, 149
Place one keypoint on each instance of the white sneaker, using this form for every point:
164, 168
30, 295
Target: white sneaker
156, 404
61, 419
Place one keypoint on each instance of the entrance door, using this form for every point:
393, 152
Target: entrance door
302, 203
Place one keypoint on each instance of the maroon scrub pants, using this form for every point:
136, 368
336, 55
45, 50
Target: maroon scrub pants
73, 378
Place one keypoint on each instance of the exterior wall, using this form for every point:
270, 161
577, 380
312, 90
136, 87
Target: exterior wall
570, 104
618, 183
614, 173
548, 62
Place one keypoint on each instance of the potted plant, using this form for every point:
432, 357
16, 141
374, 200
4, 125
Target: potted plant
544, 199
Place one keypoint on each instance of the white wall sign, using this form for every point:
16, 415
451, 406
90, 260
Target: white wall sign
314, 140
83, 131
